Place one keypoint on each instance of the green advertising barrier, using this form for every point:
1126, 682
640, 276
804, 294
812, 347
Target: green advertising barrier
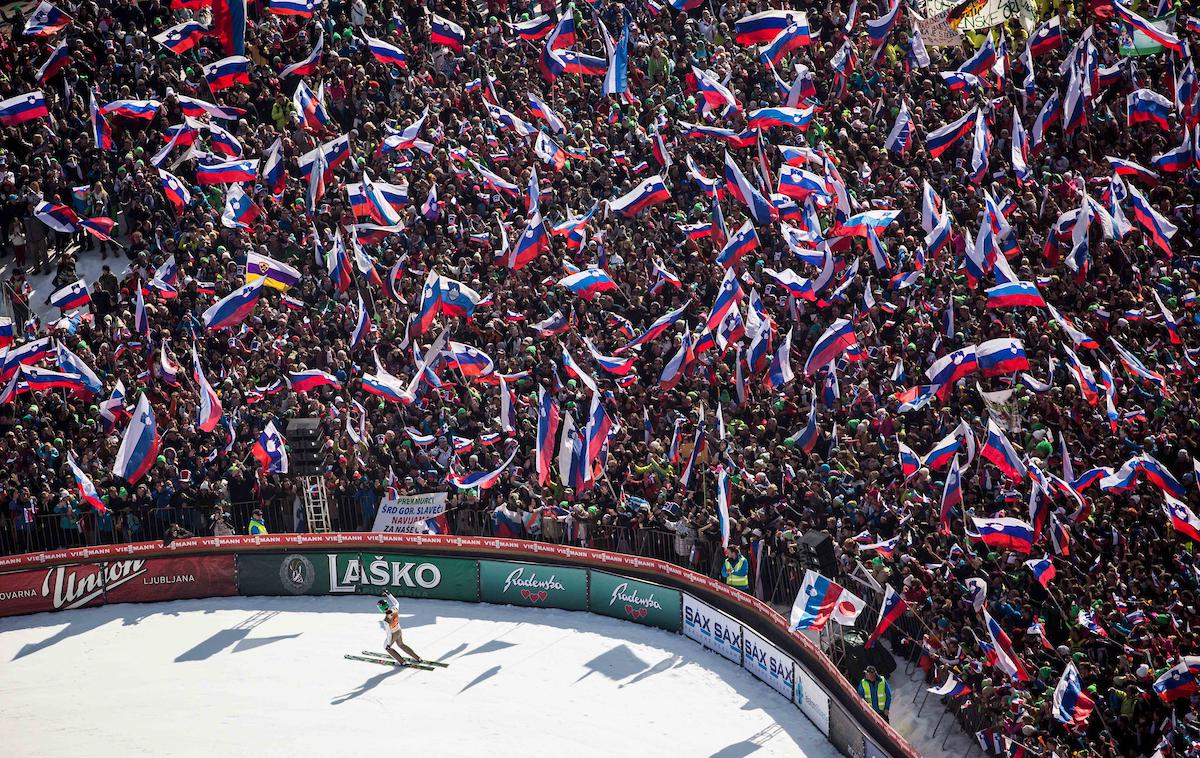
533, 585
632, 600
350, 573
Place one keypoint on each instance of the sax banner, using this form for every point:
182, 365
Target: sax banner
407, 514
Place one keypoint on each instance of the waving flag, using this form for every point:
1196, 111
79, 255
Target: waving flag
547, 426
1147, 106
950, 688
60, 56
87, 490
74, 295
1183, 520
482, 479
878, 29
763, 27
1006, 658
1001, 356
46, 20
761, 210
232, 309
309, 64
443, 31
270, 450
837, 339
229, 25
952, 496
941, 140
385, 52
227, 72
1047, 37
1004, 532
714, 95
139, 445
890, 611
22, 108
795, 34
650, 191
209, 412
1000, 452
588, 283
311, 379
301, 8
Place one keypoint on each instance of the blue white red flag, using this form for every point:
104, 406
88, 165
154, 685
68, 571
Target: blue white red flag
139, 444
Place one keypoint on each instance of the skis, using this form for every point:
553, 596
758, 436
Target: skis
410, 660
387, 661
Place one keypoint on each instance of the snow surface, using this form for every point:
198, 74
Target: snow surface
266, 677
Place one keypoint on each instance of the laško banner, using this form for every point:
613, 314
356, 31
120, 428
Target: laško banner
149, 580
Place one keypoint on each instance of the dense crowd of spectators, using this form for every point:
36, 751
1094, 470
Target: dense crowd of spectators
1126, 569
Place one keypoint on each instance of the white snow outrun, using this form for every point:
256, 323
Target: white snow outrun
267, 677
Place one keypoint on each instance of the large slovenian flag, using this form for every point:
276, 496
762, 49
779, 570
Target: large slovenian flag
232, 309
952, 367
227, 72
795, 34
139, 445
87, 490
1147, 106
310, 379
760, 28
301, 8
386, 52
270, 450
74, 295
22, 108
765, 118
1015, 294
837, 339
941, 140
650, 191
878, 29
997, 357
60, 56
1004, 532
1156, 226
1006, 658
182, 37
892, 609
1179, 681
1160, 476
588, 283
443, 31
743, 241
227, 172
1047, 37
533, 29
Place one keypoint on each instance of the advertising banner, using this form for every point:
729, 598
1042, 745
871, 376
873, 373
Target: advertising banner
768, 663
811, 699
712, 629
532, 585
82, 586
178, 579
637, 601
364, 573
407, 514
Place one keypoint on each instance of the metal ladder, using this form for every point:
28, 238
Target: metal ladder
316, 505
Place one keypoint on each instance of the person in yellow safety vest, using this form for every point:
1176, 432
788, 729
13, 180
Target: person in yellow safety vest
256, 523
876, 691
736, 571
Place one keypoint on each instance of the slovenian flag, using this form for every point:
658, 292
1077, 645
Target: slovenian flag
232, 309
22, 108
227, 72
139, 445
87, 490
270, 449
386, 52
445, 32
45, 20
892, 609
